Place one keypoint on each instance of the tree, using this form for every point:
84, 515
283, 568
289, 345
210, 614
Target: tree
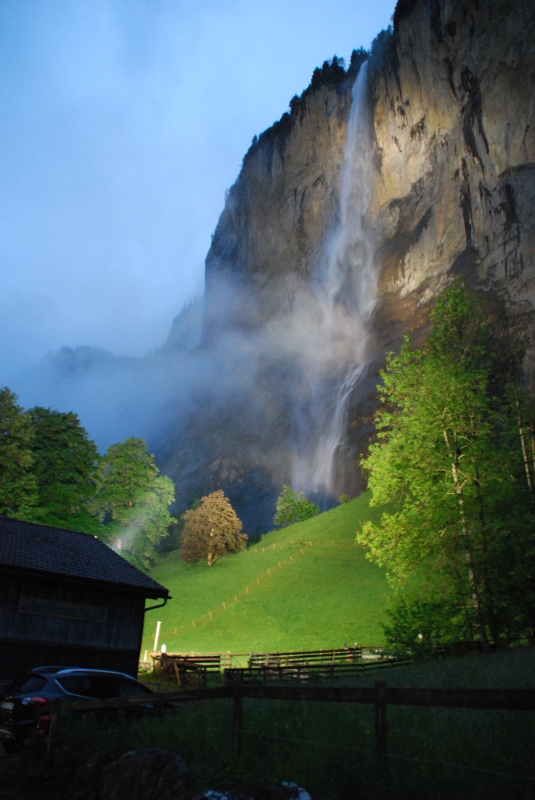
18, 487
132, 499
450, 469
211, 530
65, 464
293, 507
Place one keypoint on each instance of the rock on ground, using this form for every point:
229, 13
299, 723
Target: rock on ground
144, 774
153, 774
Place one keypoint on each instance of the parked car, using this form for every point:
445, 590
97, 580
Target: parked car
26, 705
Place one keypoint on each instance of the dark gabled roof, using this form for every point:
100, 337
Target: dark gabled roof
27, 547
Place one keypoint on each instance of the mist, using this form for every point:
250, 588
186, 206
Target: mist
124, 125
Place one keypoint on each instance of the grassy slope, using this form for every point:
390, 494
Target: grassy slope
327, 595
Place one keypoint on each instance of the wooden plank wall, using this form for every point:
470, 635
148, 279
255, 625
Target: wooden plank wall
16, 657
56, 640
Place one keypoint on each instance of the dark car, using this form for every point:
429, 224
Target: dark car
26, 705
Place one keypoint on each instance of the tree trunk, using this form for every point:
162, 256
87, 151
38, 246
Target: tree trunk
520, 424
484, 544
462, 596
532, 431
476, 605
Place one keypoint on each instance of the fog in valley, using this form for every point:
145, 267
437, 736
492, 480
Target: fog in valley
124, 126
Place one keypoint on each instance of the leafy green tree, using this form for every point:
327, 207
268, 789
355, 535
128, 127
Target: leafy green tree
18, 487
449, 470
293, 507
65, 462
132, 499
211, 530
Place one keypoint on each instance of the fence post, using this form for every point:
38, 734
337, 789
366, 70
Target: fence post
157, 635
237, 725
381, 730
120, 737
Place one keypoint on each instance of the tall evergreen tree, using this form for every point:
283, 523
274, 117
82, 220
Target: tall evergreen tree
18, 487
65, 468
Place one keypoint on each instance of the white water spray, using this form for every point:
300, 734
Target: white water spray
345, 294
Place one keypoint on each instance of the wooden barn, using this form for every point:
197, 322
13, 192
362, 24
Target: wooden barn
67, 599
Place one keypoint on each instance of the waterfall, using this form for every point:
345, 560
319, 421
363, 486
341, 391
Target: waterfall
345, 293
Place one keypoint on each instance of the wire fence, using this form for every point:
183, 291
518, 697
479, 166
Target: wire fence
226, 604
209, 616
379, 696
372, 754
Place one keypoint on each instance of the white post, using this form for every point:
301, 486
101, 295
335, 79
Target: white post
157, 635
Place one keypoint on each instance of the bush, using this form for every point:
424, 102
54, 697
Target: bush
293, 507
423, 626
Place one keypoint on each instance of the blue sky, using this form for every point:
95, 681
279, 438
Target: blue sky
121, 125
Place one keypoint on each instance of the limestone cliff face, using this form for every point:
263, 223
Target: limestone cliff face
452, 112
453, 115
454, 125
268, 243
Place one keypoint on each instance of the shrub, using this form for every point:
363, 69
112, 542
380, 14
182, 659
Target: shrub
293, 507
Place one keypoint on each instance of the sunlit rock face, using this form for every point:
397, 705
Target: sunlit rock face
452, 118
269, 241
454, 124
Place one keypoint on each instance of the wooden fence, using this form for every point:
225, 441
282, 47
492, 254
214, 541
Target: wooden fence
327, 663
309, 657
303, 673
379, 695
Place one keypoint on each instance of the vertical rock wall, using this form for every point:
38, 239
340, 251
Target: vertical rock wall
454, 122
268, 243
453, 115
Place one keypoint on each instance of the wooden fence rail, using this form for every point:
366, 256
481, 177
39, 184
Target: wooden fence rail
379, 695
192, 668
306, 672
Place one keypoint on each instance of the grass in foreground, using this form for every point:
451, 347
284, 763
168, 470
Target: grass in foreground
324, 592
328, 748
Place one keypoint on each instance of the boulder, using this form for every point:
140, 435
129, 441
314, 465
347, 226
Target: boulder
144, 774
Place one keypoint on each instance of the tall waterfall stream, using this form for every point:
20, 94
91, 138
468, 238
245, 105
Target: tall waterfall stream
345, 296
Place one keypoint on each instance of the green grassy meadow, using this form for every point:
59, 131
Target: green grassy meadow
324, 592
